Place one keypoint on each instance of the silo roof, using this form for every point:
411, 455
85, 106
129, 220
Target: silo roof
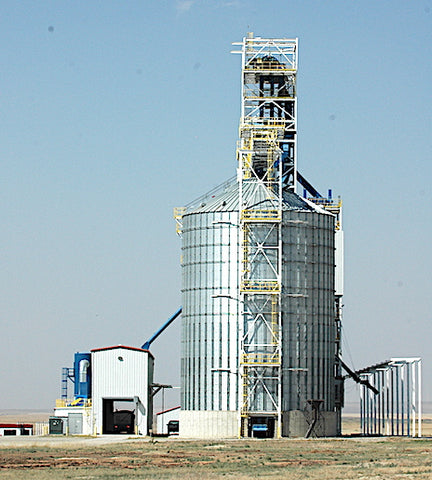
256, 196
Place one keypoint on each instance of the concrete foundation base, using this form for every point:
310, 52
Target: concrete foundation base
208, 424
295, 423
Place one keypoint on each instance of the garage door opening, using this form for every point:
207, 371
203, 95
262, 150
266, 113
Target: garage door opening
118, 416
261, 427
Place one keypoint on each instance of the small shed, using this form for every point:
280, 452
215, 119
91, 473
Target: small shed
121, 390
78, 419
163, 419
13, 429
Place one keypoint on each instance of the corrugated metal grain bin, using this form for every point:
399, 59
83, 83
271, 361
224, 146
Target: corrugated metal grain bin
211, 314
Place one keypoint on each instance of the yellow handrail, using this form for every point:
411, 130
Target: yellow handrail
257, 286
74, 402
261, 359
261, 215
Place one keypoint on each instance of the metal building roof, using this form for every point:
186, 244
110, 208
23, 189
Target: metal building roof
122, 347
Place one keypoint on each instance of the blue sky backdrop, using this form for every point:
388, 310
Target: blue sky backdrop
113, 112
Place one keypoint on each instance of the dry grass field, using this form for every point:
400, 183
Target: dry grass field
121, 457
344, 459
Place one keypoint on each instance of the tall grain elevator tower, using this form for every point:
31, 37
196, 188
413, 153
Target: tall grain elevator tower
261, 293
267, 164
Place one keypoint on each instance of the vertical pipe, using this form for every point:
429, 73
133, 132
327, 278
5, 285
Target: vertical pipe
382, 402
387, 374
366, 411
403, 367
397, 399
279, 312
408, 389
419, 377
241, 234
378, 400
374, 403
240, 367
295, 119
370, 413
371, 408
392, 399
361, 410
413, 400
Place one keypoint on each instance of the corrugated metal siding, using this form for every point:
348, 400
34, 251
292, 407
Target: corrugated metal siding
209, 325
129, 378
308, 318
124, 378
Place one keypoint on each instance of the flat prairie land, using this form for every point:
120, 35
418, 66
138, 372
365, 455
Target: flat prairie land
131, 458
351, 425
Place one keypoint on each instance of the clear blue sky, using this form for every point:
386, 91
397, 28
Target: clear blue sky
113, 112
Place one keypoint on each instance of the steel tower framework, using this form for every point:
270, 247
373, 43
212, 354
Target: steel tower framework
266, 167
395, 407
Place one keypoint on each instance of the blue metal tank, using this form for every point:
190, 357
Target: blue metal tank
82, 371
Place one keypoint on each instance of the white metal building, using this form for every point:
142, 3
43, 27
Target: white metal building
163, 418
13, 429
78, 419
121, 379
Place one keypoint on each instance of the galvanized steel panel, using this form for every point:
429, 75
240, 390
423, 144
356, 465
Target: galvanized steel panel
209, 325
210, 343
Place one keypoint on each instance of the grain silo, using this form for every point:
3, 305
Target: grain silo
261, 294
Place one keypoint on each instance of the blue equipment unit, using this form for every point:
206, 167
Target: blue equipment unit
260, 427
82, 369
147, 344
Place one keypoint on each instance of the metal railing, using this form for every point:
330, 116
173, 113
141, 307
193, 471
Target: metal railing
73, 402
260, 286
268, 215
266, 359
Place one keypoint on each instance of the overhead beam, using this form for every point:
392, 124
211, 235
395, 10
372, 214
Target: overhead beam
356, 377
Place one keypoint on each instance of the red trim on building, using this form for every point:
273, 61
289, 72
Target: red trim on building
16, 425
169, 410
